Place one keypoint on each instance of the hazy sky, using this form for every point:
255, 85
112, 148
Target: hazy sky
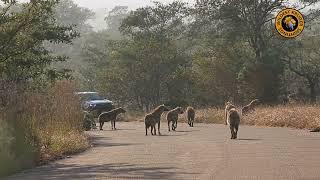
101, 7
109, 4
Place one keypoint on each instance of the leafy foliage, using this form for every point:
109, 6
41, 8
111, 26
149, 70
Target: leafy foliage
23, 31
203, 54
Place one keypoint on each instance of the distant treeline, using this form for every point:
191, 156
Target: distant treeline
203, 55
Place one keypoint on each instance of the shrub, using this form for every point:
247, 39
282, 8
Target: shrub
38, 126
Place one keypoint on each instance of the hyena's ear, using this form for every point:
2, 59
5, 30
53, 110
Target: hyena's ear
167, 105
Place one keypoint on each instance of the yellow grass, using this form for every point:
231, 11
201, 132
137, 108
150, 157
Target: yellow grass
40, 127
57, 121
293, 116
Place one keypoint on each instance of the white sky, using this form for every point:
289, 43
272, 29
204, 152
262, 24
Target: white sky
101, 7
109, 4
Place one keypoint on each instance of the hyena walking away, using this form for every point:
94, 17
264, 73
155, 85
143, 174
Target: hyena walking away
110, 116
233, 120
153, 118
173, 116
190, 115
229, 106
250, 107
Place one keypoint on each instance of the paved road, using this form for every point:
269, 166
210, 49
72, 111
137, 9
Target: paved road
202, 152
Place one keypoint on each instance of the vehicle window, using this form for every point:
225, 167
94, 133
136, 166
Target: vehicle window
93, 97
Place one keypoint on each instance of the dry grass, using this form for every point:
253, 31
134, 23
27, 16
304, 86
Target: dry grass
209, 115
293, 116
38, 127
57, 120
62, 144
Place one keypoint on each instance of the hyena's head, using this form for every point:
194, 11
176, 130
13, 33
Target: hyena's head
255, 102
228, 103
121, 110
180, 110
162, 108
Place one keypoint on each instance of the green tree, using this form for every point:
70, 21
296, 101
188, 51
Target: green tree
249, 23
67, 13
114, 19
303, 60
23, 32
144, 69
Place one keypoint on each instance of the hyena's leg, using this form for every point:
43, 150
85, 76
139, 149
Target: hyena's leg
232, 132
236, 131
152, 130
192, 122
155, 129
226, 119
172, 126
169, 126
101, 125
159, 128
146, 129
111, 124
226, 116
175, 124
114, 124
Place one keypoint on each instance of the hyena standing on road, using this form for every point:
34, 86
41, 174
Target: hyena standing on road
190, 115
233, 120
173, 116
110, 116
153, 118
229, 106
250, 107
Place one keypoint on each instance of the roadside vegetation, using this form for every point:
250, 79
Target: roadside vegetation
292, 116
203, 55
178, 54
40, 118
299, 116
40, 127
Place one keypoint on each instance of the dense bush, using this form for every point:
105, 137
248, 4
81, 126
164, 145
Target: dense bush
40, 127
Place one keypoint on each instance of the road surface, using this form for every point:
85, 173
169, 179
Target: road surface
202, 152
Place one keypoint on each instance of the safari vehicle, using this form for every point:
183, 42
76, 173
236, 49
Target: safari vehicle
93, 102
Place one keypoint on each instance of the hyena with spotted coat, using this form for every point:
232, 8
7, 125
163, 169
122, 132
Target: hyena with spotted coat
233, 120
228, 107
154, 118
250, 107
110, 116
190, 115
172, 117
